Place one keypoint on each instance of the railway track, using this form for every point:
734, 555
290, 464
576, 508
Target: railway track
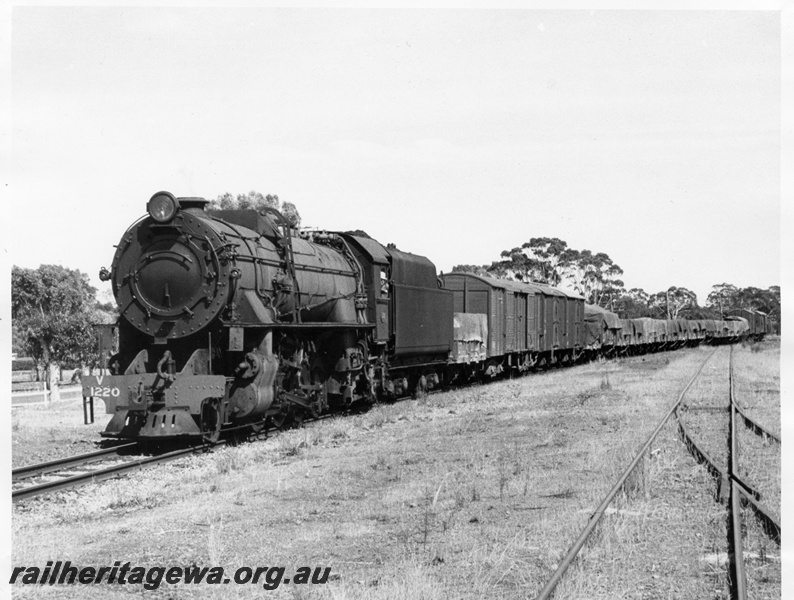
62, 464
566, 562
74, 471
717, 448
721, 460
723, 464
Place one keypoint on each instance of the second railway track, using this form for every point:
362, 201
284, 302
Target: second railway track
67, 473
719, 450
710, 425
62, 464
711, 430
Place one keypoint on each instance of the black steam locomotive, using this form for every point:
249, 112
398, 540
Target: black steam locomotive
230, 319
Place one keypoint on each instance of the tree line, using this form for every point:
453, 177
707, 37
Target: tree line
254, 200
53, 309
596, 277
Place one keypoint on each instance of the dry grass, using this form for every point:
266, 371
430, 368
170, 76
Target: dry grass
45, 432
757, 382
705, 409
762, 560
760, 466
469, 494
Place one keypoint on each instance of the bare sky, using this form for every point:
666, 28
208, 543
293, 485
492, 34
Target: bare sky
653, 136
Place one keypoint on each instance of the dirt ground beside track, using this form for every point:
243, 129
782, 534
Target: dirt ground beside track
48, 431
472, 493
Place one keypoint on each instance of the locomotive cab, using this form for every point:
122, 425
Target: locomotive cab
412, 314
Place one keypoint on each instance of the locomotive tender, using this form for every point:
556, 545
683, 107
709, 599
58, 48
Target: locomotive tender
229, 318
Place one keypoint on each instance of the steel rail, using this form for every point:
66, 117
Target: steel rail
703, 457
738, 573
119, 469
749, 494
101, 474
770, 524
566, 562
756, 427
60, 464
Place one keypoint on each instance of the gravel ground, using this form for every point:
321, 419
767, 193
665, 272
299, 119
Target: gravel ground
469, 494
46, 432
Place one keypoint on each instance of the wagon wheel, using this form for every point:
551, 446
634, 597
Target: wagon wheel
210, 422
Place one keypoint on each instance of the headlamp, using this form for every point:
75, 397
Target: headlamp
162, 207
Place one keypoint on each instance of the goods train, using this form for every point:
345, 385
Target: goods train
230, 319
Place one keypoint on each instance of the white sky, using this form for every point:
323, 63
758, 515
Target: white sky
653, 136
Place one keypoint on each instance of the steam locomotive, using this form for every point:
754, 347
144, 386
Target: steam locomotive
230, 319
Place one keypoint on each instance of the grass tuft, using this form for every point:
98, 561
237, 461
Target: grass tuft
229, 459
605, 383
